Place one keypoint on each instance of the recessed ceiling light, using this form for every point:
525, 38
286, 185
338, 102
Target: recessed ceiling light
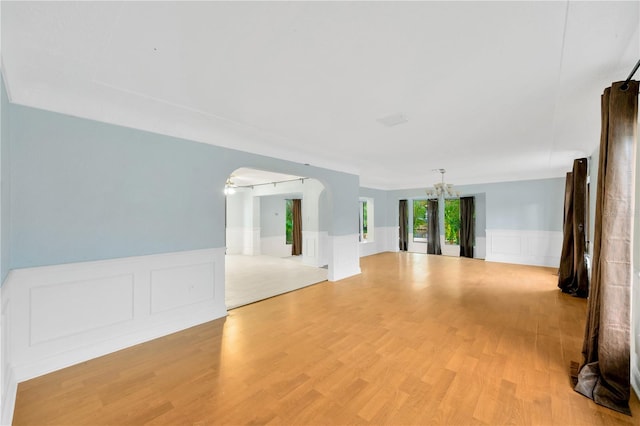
392, 120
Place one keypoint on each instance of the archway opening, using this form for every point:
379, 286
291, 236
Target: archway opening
263, 258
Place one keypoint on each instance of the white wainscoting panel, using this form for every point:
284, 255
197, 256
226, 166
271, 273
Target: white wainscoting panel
275, 246
9, 382
344, 256
384, 238
243, 241
181, 286
251, 242
314, 248
367, 248
57, 316
449, 249
480, 249
415, 246
235, 240
394, 242
524, 247
79, 306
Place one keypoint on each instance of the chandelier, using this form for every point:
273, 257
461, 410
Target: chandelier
442, 189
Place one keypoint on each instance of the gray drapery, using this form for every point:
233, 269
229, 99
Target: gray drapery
433, 239
403, 219
572, 273
467, 226
296, 246
604, 376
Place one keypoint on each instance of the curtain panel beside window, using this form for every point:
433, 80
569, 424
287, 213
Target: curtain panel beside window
572, 273
604, 376
433, 241
403, 219
296, 246
467, 226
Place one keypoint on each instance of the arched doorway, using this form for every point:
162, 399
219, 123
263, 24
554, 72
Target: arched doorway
259, 262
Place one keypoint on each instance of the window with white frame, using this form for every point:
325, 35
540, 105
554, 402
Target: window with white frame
365, 219
420, 221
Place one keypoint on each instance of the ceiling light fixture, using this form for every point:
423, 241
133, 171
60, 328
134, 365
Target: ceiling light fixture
442, 189
229, 187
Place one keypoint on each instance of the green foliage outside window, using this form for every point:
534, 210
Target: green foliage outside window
420, 220
364, 220
289, 221
452, 221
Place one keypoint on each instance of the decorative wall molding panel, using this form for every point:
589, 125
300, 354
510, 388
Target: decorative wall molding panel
57, 316
314, 248
541, 248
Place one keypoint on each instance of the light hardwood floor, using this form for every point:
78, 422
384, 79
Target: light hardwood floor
414, 339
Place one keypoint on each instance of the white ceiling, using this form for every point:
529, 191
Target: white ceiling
491, 90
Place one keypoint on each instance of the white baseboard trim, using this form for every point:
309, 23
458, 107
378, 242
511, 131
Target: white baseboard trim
525, 247
61, 315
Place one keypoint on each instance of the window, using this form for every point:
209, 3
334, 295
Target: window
420, 221
452, 221
289, 221
365, 219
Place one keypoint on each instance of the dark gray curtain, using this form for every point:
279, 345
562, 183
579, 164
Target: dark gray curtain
604, 376
572, 273
433, 239
403, 219
296, 246
467, 226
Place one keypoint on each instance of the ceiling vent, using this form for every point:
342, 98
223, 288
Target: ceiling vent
392, 120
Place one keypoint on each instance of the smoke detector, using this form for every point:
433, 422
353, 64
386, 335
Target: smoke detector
392, 120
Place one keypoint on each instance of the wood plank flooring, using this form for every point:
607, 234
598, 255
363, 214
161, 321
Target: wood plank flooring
414, 339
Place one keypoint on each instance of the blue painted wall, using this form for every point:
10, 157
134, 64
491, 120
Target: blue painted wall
380, 201
273, 214
523, 205
519, 205
83, 190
